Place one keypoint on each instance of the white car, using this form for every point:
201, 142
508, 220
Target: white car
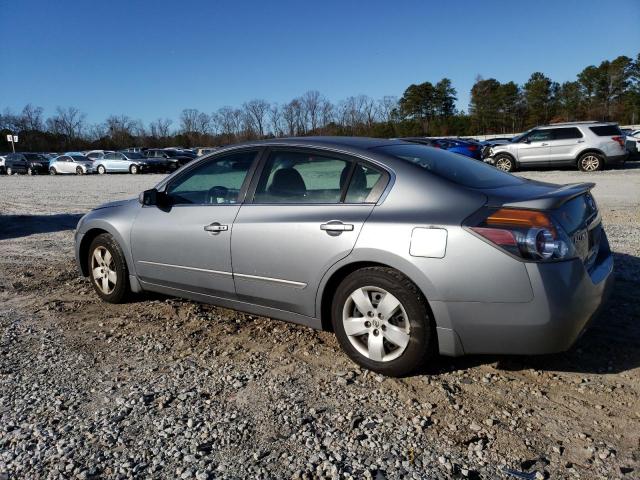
632, 142
74, 164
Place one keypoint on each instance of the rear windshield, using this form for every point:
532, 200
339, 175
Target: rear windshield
33, 156
453, 167
606, 130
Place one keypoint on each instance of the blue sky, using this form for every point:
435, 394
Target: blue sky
150, 59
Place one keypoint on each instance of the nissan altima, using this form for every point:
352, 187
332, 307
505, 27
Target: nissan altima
402, 250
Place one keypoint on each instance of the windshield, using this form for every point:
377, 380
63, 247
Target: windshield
80, 158
33, 156
453, 167
517, 138
133, 155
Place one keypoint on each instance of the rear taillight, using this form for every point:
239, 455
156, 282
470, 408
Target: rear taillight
528, 234
472, 148
620, 140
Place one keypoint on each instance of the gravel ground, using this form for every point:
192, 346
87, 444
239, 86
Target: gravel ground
165, 388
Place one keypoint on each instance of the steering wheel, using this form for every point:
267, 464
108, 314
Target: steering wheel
217, 194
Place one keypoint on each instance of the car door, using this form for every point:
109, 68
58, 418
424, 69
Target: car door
564, 144
65, 164
534, 148
120, 162
186, 245
301, 220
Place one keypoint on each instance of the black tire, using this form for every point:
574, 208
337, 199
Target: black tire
421, 344
590, 162
52, 171
101, 170
505, 162
9, 171
79, 171
134, 170
121, 289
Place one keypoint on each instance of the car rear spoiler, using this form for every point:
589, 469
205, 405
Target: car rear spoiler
554, 198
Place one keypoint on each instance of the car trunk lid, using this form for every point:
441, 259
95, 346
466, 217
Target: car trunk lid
572, 206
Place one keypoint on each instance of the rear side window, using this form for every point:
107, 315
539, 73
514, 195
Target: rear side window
298, 177
606, 130
566, 133
450, 166
365, 185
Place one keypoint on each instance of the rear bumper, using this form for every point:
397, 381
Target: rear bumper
566, 298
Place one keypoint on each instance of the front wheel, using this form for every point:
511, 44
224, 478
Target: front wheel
382, 322
590, 162
505, 163
133, 169
9, 171
30, 171
79, 171
52, 171
108, 269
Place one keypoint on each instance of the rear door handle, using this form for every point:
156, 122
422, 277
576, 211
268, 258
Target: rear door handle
216, 228
544, 144
336, 226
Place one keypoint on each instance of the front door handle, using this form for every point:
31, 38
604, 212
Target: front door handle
216, 228
336, 227
544, 144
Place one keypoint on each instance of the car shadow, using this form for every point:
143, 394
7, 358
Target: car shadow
610, 345
16, 226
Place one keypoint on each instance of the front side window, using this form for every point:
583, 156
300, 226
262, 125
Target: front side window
297, 177
539, 136
217, 181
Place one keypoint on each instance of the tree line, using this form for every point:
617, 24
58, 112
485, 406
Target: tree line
609, 91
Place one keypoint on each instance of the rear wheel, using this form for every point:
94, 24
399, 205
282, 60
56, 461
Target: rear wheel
108, 269
101, 169
52, 171
9, 171
505, 163
30, 171
590, 162
382, 322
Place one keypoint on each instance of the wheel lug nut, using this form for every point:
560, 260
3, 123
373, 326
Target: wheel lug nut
370, 314
376, 332
380, 316
367, 324
383, 327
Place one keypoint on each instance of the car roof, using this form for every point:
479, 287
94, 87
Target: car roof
361, 143
575, 124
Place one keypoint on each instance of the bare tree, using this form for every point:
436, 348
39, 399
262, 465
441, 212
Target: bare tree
311, 103
9, 121
256, 111
275, 118
160, 128
97, 132
31, 118
69, 122
194, 121
387, 106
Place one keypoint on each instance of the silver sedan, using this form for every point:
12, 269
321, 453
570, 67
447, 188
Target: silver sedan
402, 250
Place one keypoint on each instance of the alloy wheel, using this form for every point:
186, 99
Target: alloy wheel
590, 163
103, 270
376, 324
503, 164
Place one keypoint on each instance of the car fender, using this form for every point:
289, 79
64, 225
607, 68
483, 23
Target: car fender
591, 149
381, 257
117, 221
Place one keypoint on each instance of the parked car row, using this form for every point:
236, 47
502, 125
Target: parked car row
134, 161
588, 146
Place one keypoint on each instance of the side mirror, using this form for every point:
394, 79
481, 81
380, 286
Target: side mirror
153, 197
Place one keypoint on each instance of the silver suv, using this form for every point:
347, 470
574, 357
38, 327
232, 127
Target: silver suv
590, 146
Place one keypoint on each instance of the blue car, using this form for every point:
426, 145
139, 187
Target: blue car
462, 147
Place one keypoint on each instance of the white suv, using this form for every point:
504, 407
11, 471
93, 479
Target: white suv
589, 146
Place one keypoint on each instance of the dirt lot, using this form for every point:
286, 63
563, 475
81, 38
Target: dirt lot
165, 388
